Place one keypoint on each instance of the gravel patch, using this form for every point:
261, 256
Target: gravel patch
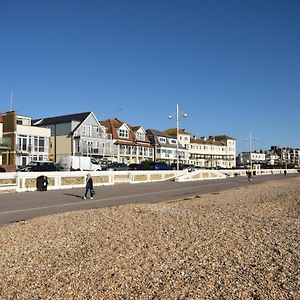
237, 244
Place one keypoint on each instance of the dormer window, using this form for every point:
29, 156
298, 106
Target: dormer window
140, 136
123, 133
162, 139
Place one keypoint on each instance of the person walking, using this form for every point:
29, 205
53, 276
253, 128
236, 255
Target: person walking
89, 186
249, 174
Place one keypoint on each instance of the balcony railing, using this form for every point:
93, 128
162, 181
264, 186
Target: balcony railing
92, 134
96, 151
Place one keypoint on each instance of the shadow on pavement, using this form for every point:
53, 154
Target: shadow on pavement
77, 196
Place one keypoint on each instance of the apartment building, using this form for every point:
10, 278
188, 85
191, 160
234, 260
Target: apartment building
295, 157
131, 144
5, 146
184, 138
213, 152
165, 145
290, 156
24, 143
285, 156
246, 158
78, 134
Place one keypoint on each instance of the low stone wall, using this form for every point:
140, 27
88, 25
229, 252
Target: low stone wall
200, 175
26, 181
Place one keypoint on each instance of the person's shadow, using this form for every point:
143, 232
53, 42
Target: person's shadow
77, 196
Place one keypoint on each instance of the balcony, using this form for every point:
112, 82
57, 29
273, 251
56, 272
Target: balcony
95, 151
92, 134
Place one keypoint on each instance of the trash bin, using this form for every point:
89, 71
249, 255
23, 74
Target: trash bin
42, 183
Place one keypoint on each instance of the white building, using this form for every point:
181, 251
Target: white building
213, 152
246, 158
165, 146
32, 143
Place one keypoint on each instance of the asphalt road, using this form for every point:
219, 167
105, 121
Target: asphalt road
22, 206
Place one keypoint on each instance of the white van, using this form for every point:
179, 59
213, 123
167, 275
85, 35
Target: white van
79, 163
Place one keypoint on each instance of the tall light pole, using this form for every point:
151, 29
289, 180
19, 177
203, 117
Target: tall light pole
250, 149
285, 157
178, 113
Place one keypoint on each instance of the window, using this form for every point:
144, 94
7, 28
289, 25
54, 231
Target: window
90, 130
140, 136
123, 133
19, 144
122, 149
24, 147
162, 139
83, 130
41, 144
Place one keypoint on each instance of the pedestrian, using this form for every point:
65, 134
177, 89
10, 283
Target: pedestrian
89, 186
249, 173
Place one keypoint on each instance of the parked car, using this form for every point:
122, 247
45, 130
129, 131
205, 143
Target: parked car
159, 165
188, 167
39, 166
2, 169
115, 166
133, 167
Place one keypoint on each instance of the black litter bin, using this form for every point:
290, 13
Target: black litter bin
42, 183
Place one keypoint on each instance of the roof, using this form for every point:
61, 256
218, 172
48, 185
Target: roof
80, 117
155, 132
173, 131
204, 141
223, 138
113, 125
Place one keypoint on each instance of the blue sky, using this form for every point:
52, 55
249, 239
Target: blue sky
232, 65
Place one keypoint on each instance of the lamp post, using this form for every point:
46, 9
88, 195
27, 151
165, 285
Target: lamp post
285, 157
250, 149
177, 131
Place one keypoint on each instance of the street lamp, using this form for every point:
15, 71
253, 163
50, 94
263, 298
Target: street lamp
285, 157
177, 131
250, 148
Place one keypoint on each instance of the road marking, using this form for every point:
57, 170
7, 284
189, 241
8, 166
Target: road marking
88, 201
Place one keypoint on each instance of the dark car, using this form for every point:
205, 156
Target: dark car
2, 169
115, 166
135, 167
39, 166
188, 167
160, 165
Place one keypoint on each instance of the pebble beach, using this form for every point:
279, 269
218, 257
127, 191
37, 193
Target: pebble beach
241, 243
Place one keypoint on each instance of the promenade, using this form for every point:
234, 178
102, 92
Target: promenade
241, 243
